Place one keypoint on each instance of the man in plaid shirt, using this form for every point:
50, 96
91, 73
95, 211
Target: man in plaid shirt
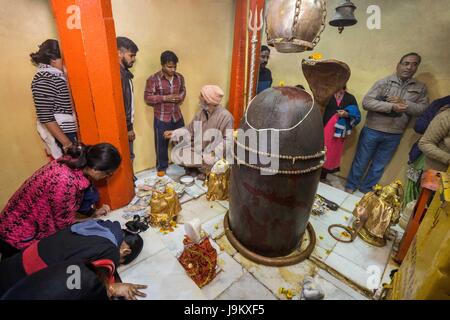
165, 92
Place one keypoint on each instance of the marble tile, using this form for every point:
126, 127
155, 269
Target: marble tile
333, 217
214, 227
199, 183
165, 277
365, 255
152, 245
247, 288
225, 204
350, 202
331, 291
185, 198
231, 271
195, 191
145, 174
274, 278
336, 182
173, 241
175, 172
201, 209
358, 193
320, 253
354, 295
348, 269
225, 245
323, 238
331, 193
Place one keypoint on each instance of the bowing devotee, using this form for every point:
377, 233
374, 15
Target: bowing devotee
87, 241
79, 280
197, 151
50, 199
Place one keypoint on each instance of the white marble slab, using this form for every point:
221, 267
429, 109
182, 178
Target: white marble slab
331, 193
165, 277
364, 255
350, 202
320, 253
152, 245
358, 193
323, 238
274, 278
348, 269
336, 182
201, 209
173, 241
145, 174
247, 288
214, 227
225, 204
231, 271
175, 171
355, 295
225, 245
333, 217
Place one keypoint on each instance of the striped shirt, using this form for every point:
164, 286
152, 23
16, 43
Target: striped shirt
52, 97
157, 87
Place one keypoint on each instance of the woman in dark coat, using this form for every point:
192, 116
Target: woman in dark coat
340, 116
85, 241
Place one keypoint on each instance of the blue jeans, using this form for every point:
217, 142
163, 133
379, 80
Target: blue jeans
375, 150
161, 143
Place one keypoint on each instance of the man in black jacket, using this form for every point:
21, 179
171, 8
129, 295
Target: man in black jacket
127, 51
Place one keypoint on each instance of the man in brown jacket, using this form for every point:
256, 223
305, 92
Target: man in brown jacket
207, 138
390, 104
435, 143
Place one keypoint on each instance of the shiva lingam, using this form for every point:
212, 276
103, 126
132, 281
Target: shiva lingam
374, 214
218, 181
273, 185
164, 208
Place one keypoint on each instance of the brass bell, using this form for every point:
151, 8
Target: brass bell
344, 16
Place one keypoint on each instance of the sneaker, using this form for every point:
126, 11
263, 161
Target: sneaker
161, 173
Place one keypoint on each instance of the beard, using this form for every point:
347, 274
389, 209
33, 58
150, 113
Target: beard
204, 106
126, 64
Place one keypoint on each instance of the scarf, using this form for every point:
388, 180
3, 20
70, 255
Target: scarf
107, 229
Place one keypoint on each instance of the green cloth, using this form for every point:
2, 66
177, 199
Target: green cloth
412, 189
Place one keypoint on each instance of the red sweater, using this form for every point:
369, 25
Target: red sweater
45, 203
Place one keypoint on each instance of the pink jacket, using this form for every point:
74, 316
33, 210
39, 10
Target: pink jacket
45, 203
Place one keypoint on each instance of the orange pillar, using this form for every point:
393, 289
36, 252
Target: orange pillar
88, 44
237, 81
255, 27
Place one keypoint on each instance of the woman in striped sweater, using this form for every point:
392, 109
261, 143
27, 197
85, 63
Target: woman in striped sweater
56, 119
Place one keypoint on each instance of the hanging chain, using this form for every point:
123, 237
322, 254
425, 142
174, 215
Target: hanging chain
298, 6
324, 16
317, 155
307, 170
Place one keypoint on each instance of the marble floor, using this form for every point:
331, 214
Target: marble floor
352, 271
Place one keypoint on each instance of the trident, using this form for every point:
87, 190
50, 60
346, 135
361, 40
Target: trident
254, 29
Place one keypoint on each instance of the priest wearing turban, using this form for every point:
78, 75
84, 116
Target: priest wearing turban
206, 139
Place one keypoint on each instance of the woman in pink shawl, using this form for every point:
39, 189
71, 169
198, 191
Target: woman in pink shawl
48, 201
340, 116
